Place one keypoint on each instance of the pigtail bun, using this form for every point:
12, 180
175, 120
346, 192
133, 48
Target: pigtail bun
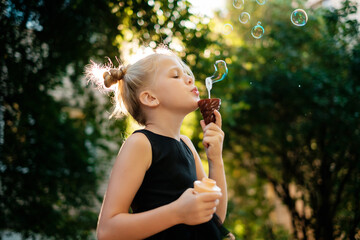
112, 76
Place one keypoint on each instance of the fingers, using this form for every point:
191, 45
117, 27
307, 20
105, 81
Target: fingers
209, 213
190, 190
202, 124
209, 208
211, 205
213, 136
197, 208
194, 208
209, 196
218, 120
213, 132
211, 126
208, 216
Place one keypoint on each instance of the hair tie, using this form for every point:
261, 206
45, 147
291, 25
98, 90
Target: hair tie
112, 76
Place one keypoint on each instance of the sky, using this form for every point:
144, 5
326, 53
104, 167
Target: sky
207, 7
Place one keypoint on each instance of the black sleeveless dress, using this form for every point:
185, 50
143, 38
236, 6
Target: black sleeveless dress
172, 171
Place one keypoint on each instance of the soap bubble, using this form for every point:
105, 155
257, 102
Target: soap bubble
244, 17
299, 17
257, 31
221, 71
227, 29
238, 4
261, 2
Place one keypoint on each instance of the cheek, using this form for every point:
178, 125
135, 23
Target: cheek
166, 91
168, 87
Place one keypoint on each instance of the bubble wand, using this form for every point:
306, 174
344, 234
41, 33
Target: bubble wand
207, 106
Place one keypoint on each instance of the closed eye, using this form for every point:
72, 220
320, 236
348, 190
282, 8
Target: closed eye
187, 73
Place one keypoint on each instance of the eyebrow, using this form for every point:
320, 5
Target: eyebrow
174, 67
179, 69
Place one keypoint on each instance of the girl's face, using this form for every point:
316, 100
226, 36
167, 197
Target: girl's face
174, 88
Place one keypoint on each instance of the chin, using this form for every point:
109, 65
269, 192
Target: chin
195, 104
190, 105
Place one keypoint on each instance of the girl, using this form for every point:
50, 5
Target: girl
156, 167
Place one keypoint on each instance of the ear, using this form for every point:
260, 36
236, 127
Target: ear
148, 99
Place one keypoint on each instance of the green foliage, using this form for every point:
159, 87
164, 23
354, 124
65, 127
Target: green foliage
49, 175
56, 139
292, 116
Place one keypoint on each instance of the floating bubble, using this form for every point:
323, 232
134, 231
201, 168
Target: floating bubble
244, 17
227, 29
238, 4
220, 73
299, 17
261, 2
257, 31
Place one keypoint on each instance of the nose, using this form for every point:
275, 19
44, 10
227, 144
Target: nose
189, 79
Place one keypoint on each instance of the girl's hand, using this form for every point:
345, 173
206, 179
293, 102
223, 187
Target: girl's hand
193, 208
213, 138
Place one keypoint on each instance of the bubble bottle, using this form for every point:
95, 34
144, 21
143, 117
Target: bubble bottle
206, 185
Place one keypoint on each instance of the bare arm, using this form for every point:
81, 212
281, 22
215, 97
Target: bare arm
200, 172
215, 172
213, 143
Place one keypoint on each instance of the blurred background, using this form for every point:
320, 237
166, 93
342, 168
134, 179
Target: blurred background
290, 108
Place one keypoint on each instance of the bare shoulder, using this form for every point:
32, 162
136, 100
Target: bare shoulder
137, 139
188, 142
136, 147
127, 174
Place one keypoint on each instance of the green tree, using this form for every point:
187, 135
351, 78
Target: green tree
291, 114
54, 148
49, 175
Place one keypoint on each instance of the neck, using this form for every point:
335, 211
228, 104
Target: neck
165, 123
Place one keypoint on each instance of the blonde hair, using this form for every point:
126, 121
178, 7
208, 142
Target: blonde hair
131, 79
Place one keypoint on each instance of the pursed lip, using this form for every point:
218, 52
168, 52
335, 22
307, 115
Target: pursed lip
195, 90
